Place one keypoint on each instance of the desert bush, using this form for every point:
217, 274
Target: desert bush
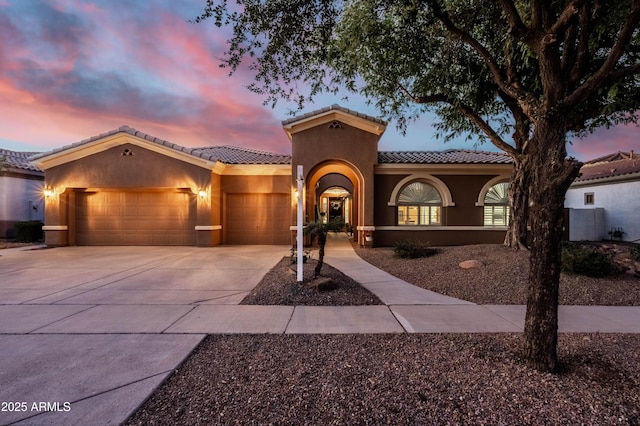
413, 249
579, 259
634, 251
29, 231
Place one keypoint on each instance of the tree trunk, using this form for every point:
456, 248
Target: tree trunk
322, 241
519, 187
551, 175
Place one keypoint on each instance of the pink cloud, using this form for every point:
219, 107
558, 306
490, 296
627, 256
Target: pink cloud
606, 141
159, 76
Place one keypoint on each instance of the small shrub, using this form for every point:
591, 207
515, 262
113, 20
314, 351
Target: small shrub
29, 231
306, 254
634, 251
413, 249
579, 259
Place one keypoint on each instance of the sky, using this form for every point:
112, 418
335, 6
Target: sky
73, 69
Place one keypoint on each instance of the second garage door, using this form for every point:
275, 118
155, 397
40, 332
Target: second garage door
257, 219
135, 218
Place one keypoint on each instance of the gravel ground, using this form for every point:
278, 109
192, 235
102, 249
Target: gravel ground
503, 279
408, 379
398, 380
279, 287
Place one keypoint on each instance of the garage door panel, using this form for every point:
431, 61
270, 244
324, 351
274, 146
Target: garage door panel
257, 218
135, 218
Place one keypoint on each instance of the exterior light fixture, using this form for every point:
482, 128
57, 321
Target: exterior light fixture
202, 193
49, 192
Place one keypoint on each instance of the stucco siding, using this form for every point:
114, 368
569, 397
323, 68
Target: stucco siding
620, 201
20, 199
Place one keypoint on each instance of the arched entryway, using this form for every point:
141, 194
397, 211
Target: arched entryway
335, 198
336, 188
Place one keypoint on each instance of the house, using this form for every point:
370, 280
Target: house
604, 202
21, 186
126, 187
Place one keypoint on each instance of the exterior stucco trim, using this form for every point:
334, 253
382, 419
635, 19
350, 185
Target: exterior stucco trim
487, 186
256, 170
443, 169
324, 117
77, 152
439, 228
208, 227
55, 228
442, 188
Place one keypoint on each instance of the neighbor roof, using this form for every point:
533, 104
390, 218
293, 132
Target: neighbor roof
19, 160
619, 164
450, 156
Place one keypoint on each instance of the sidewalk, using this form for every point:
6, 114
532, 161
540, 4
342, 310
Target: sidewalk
407, 309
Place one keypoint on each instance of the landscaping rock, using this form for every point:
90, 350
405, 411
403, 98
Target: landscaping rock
469, 264
324, 284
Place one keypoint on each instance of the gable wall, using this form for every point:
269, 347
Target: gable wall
111, 169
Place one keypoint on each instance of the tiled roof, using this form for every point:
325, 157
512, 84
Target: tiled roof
613, 165
334, 107
19, 160
225, 154
237, 155
450, 156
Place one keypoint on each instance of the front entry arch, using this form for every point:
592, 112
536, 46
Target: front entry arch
336, 174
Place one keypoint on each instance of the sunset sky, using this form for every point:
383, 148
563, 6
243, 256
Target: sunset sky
72, 69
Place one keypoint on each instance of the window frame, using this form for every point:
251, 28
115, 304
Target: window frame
426, 213
589, 199
493, 206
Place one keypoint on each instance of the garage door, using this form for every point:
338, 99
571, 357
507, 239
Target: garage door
135, 218
257, 219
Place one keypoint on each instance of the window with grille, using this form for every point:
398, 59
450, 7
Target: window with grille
419, 204
496, 205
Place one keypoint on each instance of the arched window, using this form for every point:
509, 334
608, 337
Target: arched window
419, 204
496, 205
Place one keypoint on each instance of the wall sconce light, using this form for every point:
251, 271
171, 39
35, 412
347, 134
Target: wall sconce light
49, 192
202, 193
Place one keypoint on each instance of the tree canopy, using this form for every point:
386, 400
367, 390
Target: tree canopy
486, 70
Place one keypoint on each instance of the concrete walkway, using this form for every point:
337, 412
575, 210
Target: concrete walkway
87, 333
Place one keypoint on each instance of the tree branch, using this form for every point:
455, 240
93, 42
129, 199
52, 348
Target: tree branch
517, 28
522, 123
498, 75
625, 72
536, 15
565, 18
494, 137
580, 52
596, 80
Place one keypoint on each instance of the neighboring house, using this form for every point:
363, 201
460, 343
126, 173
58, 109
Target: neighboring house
21, 186
604, 202
126, 187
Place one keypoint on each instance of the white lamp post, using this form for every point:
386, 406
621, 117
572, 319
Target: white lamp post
299, 225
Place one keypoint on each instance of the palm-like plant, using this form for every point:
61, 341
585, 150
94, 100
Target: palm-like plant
319, 230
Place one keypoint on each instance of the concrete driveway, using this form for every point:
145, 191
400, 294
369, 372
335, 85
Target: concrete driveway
85, 332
